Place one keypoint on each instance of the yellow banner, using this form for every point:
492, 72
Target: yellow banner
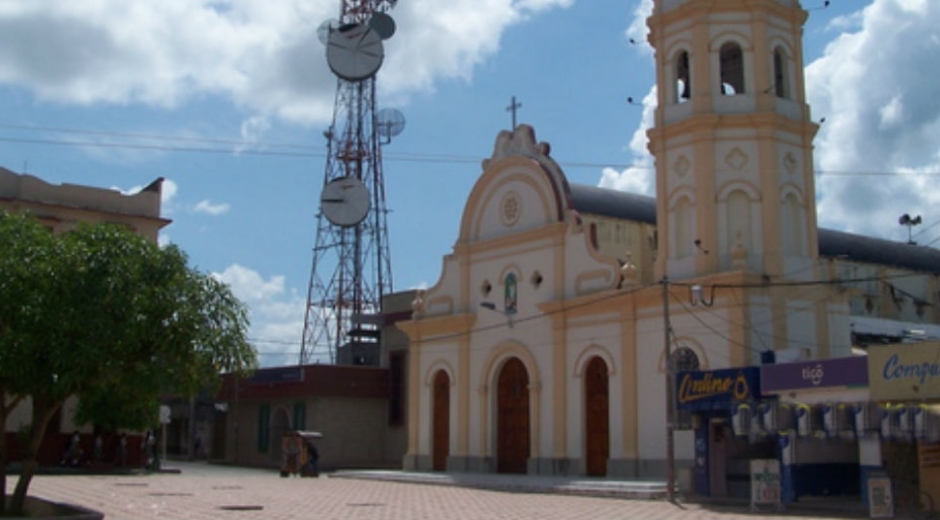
909, 371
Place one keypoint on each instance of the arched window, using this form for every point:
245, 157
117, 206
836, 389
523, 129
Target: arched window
683, 78
732, 69
684, 359
510, 294
781, 82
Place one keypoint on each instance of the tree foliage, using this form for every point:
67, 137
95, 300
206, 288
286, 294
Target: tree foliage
101, 313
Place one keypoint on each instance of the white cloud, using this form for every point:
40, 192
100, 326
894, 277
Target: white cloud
254, 128
877, 88
169, 191
637, 31
264, 57
206, 206
250, 286
276, 316
640, 176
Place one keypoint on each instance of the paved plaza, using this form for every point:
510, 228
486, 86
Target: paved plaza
203, 491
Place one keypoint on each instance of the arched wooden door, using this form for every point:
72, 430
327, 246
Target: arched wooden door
440, 443
512, 421
597, 417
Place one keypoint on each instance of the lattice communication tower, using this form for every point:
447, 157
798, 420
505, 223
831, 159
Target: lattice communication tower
351, 262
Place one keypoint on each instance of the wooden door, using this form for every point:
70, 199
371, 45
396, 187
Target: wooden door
512, 422
597, 417
441, 421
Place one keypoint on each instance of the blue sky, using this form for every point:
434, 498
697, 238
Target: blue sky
228, 100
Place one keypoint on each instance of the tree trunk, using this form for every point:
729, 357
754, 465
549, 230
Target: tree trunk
43, 410
4, 454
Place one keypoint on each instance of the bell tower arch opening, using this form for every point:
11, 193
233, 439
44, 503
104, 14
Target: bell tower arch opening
731, 60
683, 77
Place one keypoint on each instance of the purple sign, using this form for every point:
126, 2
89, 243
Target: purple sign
820, 373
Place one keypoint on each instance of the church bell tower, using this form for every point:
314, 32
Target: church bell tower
732, 139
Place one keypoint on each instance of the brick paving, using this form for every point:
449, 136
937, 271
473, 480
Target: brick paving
202, 491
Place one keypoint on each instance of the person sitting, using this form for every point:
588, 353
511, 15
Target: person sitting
312, 466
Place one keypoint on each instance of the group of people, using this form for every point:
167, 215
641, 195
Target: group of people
74, 453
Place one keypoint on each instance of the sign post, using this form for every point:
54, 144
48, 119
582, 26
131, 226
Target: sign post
880, 499
765, 484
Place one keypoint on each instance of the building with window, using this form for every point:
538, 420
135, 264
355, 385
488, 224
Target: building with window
60, 207
548, 343
359, 410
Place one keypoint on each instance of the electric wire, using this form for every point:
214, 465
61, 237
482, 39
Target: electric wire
297, 150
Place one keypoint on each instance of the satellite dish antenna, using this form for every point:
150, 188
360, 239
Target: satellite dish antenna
354, 52
382, 24
323, 32
389, 123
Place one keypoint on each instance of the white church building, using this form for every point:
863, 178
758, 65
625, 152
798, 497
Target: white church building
542, 348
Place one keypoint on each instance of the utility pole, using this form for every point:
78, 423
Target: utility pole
670, 399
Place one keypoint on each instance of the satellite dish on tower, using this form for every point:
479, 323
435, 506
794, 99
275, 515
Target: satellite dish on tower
354, 52
323, 32
389, 123
382, 24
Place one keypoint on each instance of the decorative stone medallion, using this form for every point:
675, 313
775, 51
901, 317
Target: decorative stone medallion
790, 163
736, 159
681, 166
510, 208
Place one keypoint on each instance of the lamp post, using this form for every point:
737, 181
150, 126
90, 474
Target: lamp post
507, 313
910, 222
670, 400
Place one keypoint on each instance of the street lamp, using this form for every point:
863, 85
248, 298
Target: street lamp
507, 313
910, 222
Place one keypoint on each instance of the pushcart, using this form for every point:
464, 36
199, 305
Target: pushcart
299, 455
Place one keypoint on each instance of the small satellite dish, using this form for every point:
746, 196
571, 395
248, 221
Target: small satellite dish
389, 123
323, 32
382, 24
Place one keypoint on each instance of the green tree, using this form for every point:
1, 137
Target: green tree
103, 314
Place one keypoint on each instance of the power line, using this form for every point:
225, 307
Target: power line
437, 340
238, 147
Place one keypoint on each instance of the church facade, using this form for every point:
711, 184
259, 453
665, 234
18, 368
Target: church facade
550, 343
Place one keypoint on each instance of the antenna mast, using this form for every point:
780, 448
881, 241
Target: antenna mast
351, 269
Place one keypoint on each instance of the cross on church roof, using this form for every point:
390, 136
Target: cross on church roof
513, 107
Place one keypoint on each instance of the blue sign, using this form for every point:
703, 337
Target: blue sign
716, 390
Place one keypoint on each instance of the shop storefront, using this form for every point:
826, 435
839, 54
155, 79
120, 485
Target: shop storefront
821, 450
720, 403
905, 382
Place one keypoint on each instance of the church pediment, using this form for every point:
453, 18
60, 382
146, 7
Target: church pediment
521, 189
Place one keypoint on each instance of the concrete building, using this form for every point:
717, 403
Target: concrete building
60, 208
359, 410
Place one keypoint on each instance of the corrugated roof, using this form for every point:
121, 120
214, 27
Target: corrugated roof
592, 200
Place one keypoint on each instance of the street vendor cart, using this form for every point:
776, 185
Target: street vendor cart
299, 455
